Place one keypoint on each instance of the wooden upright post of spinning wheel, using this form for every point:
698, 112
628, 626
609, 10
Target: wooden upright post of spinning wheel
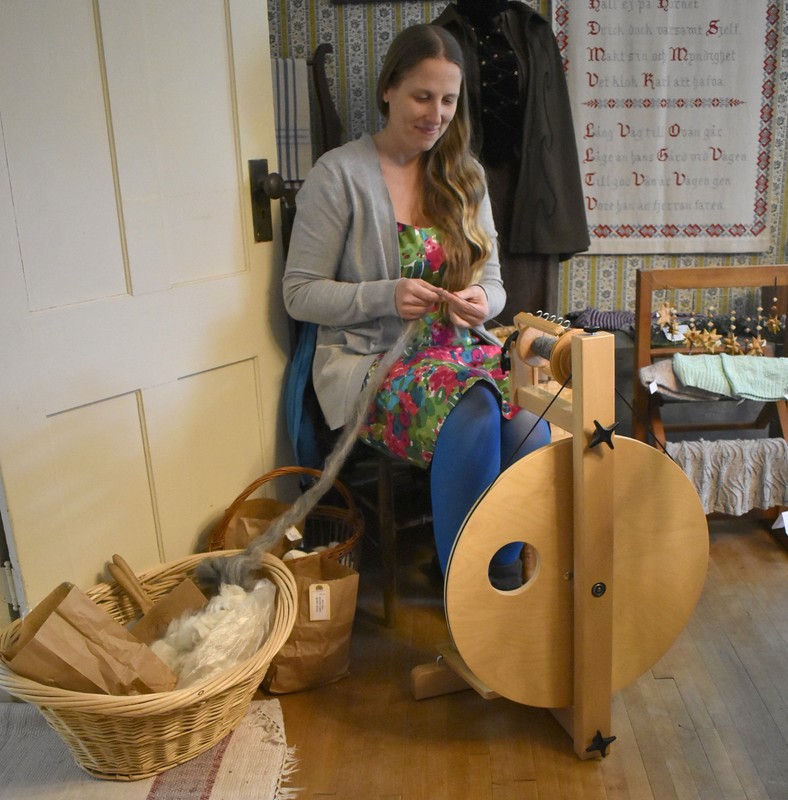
621, 548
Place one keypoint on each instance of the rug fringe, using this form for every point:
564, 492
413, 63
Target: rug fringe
289, 768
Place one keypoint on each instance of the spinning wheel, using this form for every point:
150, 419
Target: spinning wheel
520, 643
621, 545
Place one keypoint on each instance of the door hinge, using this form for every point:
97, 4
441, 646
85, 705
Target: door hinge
8, 587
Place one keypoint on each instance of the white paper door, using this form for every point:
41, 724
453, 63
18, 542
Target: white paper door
142, 335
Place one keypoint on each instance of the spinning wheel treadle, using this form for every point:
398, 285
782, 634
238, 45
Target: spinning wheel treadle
520, 643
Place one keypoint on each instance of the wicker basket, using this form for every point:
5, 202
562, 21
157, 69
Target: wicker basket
126, 738
339, 529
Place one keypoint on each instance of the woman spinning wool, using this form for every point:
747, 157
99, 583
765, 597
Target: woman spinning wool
397, 227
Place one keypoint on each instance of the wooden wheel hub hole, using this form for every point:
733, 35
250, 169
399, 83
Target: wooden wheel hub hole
515, 575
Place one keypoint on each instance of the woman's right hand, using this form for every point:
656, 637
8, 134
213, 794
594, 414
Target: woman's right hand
414, 298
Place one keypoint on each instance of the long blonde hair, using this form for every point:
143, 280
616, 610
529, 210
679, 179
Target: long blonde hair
453, 181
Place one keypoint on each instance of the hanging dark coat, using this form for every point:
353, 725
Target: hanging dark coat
548, 214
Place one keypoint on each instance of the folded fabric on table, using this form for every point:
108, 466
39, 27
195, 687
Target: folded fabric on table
703, 372
748, 377
756, 378
662, 375
733, 476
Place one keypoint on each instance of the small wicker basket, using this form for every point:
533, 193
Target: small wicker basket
126, 738
338, 529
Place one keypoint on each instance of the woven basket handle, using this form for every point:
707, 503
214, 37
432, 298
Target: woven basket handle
216, 541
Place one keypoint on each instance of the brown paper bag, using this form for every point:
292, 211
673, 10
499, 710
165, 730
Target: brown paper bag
252, 519
318, 650
70, 642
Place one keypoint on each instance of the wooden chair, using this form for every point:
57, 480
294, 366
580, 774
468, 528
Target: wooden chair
647, 423
395, 493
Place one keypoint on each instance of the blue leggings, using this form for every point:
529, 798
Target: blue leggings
474, 445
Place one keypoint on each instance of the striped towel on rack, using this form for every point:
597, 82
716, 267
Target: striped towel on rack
293, 122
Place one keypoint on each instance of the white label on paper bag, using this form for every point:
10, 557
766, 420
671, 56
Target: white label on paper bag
292, 534
319, 601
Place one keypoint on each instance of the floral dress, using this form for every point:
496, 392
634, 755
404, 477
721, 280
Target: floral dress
441, 363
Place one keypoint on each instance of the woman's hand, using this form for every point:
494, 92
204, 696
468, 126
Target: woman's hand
415, 297
468, 307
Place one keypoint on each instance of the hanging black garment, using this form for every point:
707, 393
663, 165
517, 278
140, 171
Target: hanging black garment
548, 212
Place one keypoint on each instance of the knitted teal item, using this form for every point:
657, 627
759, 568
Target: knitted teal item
703, 372
755, 377
748, 377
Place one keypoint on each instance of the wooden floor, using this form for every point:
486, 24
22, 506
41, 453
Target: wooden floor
710, 720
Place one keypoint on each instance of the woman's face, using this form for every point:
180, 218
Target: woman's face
423, 104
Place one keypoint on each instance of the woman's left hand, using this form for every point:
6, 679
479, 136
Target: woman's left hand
468, 307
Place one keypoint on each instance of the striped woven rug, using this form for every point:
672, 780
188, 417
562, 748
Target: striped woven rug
251, 763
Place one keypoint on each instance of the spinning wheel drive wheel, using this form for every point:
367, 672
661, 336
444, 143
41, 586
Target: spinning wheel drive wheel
520, 642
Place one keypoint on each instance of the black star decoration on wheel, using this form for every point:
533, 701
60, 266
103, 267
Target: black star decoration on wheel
602, 434
600, 743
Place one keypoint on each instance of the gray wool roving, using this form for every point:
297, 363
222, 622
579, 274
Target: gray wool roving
243, 568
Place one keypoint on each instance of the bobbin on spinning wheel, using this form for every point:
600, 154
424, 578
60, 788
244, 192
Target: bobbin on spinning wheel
621, 549
551, 345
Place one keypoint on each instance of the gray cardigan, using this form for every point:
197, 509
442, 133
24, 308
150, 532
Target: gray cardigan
342, 269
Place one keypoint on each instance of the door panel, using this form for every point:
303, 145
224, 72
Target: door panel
59, 153
98, 483
142, 335
176, 140
203, 455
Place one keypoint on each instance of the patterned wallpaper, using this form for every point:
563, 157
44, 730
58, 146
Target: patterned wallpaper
360, 34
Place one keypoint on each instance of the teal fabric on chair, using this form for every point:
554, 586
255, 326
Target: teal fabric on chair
300, 426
